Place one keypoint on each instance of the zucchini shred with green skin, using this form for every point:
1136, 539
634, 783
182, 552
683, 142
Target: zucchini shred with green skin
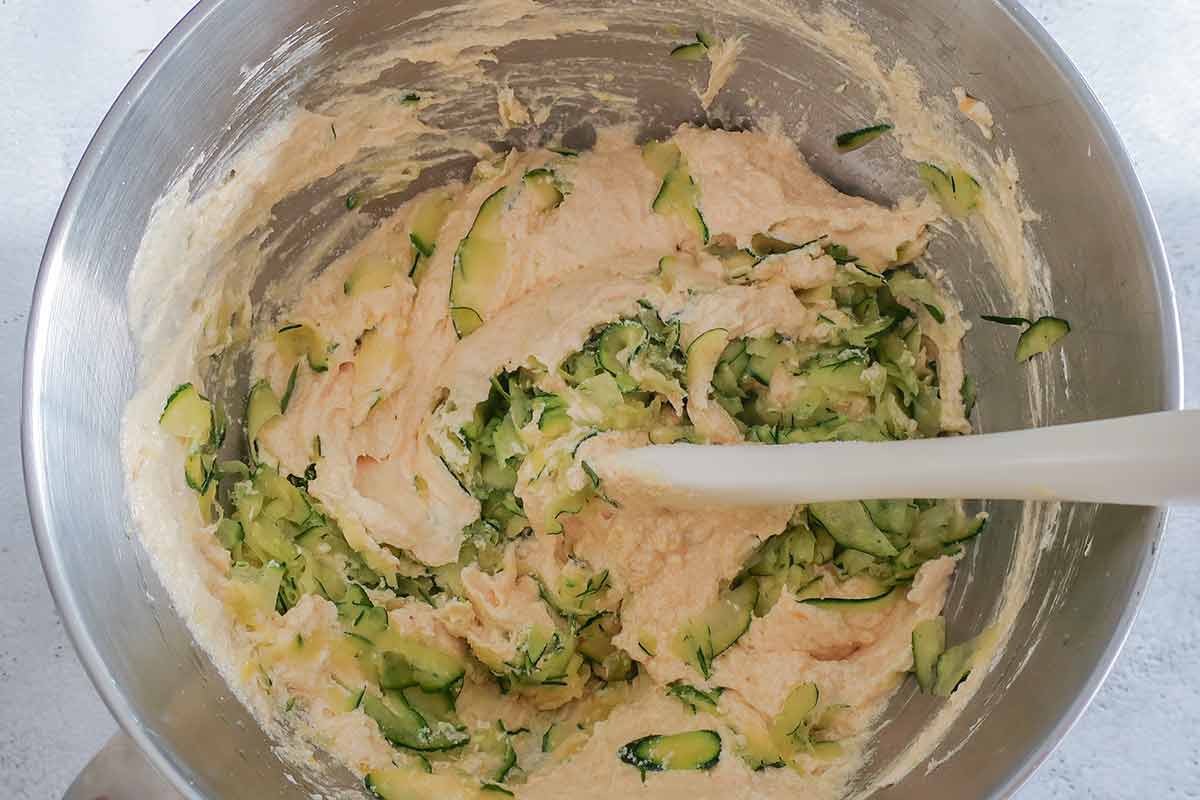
957, 190
694, 51
694, 750
854, 140
1039, 336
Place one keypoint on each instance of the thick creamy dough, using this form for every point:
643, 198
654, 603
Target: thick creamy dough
218, 235
383, 433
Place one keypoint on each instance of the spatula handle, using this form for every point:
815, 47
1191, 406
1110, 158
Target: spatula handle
1149, 459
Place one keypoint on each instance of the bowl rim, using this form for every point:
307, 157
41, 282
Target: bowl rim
165, 759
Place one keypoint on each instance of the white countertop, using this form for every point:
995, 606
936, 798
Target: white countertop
64, 62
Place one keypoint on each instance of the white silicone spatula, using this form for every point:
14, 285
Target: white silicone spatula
1149, 459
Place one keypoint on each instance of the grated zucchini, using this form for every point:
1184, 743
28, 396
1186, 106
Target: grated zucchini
853, 140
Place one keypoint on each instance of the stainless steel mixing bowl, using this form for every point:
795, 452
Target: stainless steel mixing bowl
1099, 239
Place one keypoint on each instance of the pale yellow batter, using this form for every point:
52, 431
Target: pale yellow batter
538, 620
440, 586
